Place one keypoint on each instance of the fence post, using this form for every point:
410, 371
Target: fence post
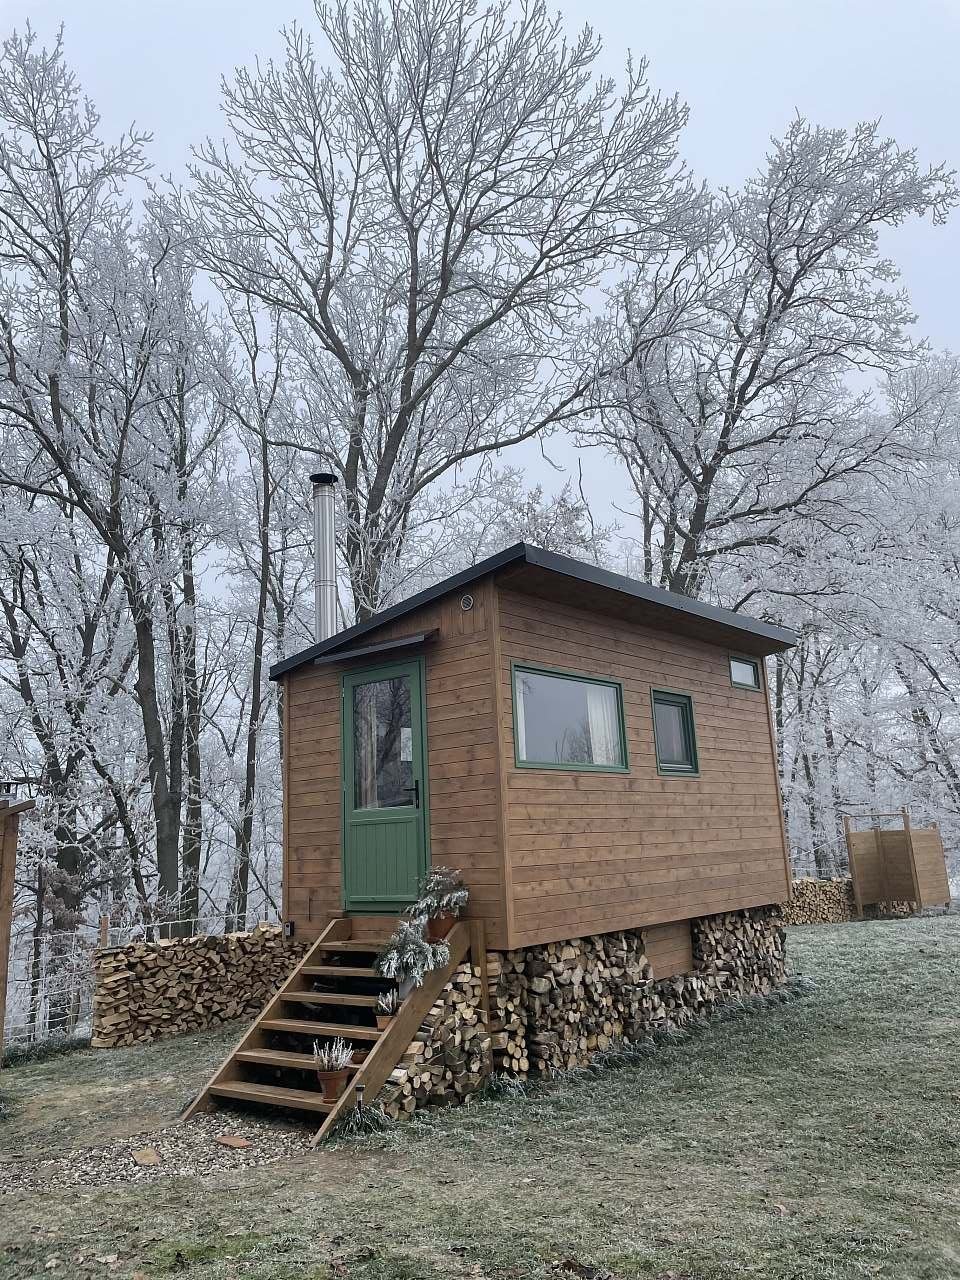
9, 831
911, 856
851, 864
103, 935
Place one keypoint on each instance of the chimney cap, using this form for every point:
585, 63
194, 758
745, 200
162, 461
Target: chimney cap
323, 477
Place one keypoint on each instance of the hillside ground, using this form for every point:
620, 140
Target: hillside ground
817, 1140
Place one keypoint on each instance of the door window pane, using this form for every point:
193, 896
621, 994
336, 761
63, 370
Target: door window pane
382, 744
562, 720
673, 732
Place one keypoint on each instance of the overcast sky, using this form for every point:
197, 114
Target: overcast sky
743, 66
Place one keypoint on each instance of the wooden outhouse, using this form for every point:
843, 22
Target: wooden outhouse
591, 752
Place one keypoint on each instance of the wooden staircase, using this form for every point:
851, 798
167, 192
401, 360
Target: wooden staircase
332, 992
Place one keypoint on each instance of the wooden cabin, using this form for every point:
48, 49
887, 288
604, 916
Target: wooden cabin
593, 753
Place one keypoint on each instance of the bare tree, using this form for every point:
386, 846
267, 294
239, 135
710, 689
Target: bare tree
747, 430
99, 390
431, 213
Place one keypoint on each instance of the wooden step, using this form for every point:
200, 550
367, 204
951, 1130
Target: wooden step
330, 997
278, 1058
302, 1028
242, 1091
341, 971
371, 945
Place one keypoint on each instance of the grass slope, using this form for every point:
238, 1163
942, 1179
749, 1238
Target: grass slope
815, 1142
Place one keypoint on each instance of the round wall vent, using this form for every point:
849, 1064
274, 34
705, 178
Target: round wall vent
466, 603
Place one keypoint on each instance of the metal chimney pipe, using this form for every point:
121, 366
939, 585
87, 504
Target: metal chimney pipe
324, 556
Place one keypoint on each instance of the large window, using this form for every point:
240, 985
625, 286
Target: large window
674, 733
567, 722
745, 673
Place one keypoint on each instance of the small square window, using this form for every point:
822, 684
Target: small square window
745, 673
674, 733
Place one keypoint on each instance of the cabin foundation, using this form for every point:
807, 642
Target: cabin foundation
554, 1008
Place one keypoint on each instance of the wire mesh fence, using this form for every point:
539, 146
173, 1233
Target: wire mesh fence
50, 982
49, 987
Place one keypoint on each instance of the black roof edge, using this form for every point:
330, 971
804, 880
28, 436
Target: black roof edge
584, 572
499, 561
779, 637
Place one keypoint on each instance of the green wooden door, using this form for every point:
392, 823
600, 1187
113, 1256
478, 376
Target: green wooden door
384, 787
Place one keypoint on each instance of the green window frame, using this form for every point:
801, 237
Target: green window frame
577, 677
690, 766
738, 659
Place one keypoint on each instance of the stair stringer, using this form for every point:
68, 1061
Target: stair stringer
339, 930
385, 1055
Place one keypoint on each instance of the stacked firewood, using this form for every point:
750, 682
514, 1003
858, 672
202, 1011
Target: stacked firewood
149, 989
820, 902
744, 950
583, 995
506, 976
449, 1057
571, 1000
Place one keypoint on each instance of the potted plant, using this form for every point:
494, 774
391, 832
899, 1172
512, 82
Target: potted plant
441, 897
407, 956
388, 1002
332, 1062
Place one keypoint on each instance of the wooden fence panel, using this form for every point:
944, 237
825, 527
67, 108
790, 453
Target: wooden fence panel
895, 852
9, 828
866, 867
905, 865
931, 866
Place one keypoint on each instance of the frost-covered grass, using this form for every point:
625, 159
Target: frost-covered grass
52, 1047
817, 1141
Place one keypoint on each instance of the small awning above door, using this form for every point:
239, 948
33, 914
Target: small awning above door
400, 645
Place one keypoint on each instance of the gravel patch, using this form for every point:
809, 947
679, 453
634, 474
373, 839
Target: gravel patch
187, 1150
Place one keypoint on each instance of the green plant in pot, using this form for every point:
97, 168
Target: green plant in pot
408, 957
332, 1061
441, 897
388, 1002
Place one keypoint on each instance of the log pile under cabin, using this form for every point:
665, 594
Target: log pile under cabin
554, 1007
450, 1056
145, 990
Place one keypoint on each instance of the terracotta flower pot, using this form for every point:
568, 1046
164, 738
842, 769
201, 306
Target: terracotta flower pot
383, 1021
333, 1083
439, 926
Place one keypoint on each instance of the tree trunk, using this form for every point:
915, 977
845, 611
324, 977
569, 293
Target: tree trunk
240, 886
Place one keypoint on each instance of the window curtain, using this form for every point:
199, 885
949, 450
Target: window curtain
521, 718
604, 724
671, 740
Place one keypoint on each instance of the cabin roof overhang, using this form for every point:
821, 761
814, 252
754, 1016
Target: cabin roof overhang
561, 579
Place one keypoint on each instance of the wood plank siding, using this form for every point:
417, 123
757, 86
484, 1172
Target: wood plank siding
554, 853
463, 767
590, 852
669, 948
